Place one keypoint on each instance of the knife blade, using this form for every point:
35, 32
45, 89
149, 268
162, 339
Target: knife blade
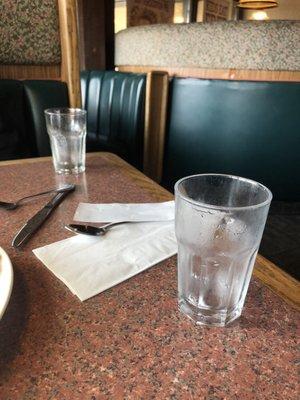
33, 224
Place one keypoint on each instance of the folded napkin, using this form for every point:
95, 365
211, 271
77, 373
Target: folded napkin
125, 212
90, 265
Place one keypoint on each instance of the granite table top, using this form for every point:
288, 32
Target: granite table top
129, 342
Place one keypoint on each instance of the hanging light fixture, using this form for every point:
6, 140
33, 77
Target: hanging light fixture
259, 16
257, 4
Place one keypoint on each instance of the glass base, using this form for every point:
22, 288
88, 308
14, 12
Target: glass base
68, 171
209, 317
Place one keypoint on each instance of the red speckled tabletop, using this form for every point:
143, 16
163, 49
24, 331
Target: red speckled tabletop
129, 342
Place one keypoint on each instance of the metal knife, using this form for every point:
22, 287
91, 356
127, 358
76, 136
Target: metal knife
33, 224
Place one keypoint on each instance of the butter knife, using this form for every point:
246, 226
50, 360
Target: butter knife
33, 224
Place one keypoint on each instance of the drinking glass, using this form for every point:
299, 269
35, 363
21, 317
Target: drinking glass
219, 224
67, 131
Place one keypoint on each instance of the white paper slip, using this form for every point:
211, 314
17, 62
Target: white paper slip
90, 265
115, 212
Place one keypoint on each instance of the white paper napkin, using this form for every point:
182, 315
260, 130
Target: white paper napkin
90, 265
125, 212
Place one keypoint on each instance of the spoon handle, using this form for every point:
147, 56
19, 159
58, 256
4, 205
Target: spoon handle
111, 224
96, 231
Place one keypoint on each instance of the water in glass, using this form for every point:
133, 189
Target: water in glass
217, 246
67, 132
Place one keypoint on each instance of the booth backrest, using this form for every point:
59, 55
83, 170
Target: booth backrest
246, 51
39, 40
251, 129
22, 123
115, 104
233, 50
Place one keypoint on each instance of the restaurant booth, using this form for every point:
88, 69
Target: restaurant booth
254, 88
183, 99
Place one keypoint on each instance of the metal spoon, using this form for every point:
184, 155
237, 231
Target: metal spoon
93, 230
13, 206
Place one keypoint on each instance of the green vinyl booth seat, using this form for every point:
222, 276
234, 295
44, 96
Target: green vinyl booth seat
114, 101
250, 129
22, 123
115, 104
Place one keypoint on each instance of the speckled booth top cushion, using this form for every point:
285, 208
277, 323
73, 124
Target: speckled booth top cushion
29, 32
258, 45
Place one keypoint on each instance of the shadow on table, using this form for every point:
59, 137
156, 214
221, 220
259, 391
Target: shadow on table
13, 322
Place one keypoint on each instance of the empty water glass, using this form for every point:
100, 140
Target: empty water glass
219, 224
67, 131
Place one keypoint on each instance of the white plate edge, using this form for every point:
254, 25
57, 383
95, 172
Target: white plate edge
10, 274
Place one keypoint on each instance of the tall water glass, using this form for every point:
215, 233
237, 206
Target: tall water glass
219, 224
67, 131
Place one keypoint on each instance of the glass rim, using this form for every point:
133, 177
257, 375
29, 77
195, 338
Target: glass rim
224, 208
65, 111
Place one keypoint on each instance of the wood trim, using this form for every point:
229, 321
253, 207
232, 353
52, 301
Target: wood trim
227, 74
155, 123
278, 281
68, 13
30, 72
81, 35
268, 273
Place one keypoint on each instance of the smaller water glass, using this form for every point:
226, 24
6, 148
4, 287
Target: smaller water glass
67, 131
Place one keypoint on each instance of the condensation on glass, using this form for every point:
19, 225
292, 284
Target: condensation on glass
219, 224
67, 132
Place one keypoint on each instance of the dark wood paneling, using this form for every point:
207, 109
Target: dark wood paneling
96, 34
